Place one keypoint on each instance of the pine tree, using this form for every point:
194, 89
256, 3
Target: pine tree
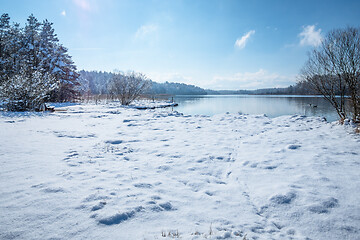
5, 39
33, 54
65, 72
47, 47
30, 50
15, 46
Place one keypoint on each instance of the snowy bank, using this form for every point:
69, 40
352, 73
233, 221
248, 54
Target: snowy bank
105, 172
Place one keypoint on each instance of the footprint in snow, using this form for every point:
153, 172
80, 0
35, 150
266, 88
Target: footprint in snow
283, 199
115, 142
254, 165
293, 146
325, 206
155, 197
95, 197
143, 185
167, 206
120, 217
271, 167
73, 135
53, 190
72, 154
43, 187
209, 193
98, 206
163, 168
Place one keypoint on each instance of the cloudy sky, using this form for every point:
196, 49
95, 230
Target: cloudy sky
240, 44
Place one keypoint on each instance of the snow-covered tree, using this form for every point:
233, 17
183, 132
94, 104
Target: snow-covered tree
5, 51
47, 48
64, 70
26, 92
30, 50
14, 58
35, 51
84, 86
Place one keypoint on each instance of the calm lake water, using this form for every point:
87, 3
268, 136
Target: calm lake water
272, 106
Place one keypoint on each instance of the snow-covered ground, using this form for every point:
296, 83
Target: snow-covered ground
106, 172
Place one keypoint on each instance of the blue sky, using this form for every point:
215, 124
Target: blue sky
243, 44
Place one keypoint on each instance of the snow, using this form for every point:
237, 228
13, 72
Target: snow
108, 172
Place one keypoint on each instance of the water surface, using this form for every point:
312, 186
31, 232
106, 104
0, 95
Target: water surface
271, 105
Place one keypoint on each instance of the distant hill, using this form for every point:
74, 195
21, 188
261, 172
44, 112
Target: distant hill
175, 89
95, 82
298, 89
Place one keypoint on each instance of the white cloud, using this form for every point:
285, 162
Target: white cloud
310, 36
63, 13
145, 30
241, 42
251, 81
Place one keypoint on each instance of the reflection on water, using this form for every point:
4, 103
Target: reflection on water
272, 106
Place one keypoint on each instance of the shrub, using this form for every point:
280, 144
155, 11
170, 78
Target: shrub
24, 92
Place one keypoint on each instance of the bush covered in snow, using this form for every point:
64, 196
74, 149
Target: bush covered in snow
25, 92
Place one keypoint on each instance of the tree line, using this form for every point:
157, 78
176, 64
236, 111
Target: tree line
98, 82
34, 66
299, 88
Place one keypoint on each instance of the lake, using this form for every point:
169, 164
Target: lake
271, 105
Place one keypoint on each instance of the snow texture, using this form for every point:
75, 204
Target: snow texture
108, 172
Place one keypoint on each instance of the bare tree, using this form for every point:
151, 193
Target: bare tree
128, 87
333, 70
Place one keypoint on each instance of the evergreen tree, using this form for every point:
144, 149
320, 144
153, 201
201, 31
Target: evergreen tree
15, 58
34, 54
65, 72
47, 48
30, 50
5, 40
